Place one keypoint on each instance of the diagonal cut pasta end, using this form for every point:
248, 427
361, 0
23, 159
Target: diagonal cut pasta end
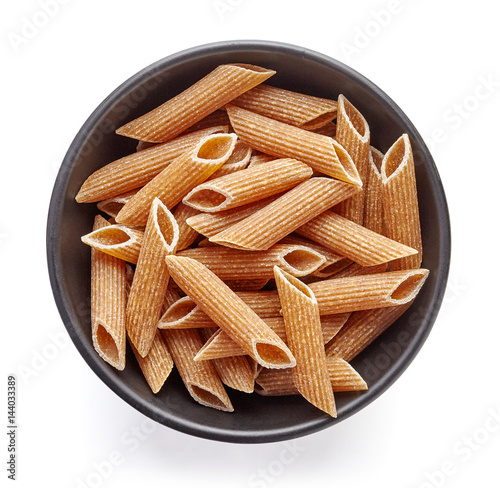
209, 398
350, 172
272, 355
409, 286
106, 345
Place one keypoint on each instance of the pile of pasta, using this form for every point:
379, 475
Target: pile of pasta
238, 189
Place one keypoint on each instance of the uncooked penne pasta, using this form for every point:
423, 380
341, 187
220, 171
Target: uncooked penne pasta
279, 382
267, 226
230, 313
374, 211
212, 92
179, 177
329, 129
112, 206
287, 106
352, 240
157, 365
361, 329
187, 235
201, 379
150, 282
260, 158
399, 192
275, 138
138, 169
365, 292
248, 185
108, 302
304, 338
219, 117
355, 269
246, 285
210, 224
235, 372
232, 264
353, 134
117, 240
239, 159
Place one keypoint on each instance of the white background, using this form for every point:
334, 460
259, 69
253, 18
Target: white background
439, 425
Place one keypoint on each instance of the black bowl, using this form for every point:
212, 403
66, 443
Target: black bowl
256, 418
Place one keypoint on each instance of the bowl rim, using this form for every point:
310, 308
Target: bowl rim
100, 367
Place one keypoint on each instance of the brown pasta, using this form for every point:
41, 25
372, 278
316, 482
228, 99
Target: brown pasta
374, 210
213, 91
275, 138
267, 226
399, 192
108, 302
179, 177
248, 185
187, 235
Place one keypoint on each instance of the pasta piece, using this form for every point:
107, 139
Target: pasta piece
187, 235
179, 177
329, 129
117, 240
157, 365
209, 224
232, 264
212, 92
246, 285
355, 269
260, 158
248, 186
267, 226
108, 302
239, 159
151, 277
353, 241
279, 382
329, 270
201, 379
230, 313
353, 134
364, 292
112, 206
275, 138
303, 331
361, 329
235, 372
399, 192
374, 210
219, 117
290, 107
138, 169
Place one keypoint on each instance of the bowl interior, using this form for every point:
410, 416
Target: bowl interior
256, 418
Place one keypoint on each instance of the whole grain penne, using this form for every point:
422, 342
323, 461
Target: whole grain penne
279, 382
219, 117
232, 264
299, 205
248, 185
187, 235
157, 365
287, 106
329, 129
353, 134
112, 206
179, 177
275, 138
239, 159
117, 240
210, 224
235, 372
200, 379
304, 337
361, 329
365, 292
229, 312
246, 285
212, 92
399, 193
150, 282
330, 270
260, 158
138, 169
352, 240
374, 211
108, 301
